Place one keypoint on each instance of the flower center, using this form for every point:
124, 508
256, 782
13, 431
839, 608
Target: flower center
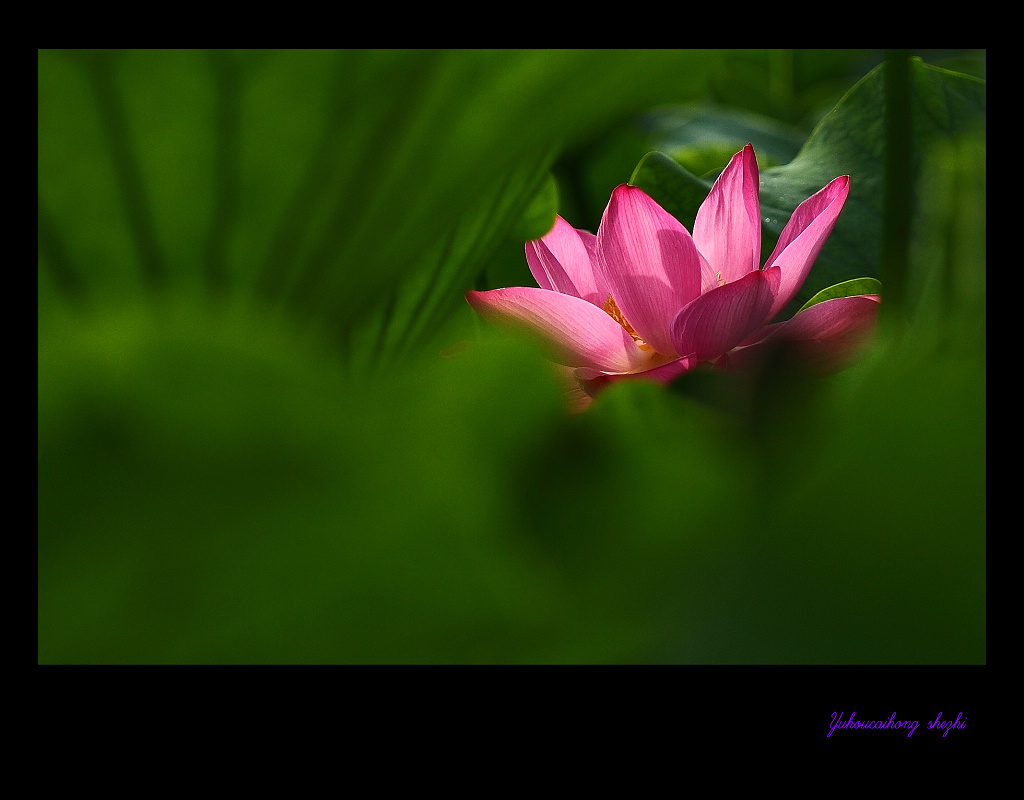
612, 310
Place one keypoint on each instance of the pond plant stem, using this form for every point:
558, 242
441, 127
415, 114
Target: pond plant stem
898, 196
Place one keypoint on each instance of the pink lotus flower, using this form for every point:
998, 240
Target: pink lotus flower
645, 298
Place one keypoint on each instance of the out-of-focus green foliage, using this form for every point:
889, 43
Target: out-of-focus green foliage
250, 449
338, 186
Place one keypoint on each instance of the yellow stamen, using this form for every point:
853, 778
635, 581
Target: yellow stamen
612, 310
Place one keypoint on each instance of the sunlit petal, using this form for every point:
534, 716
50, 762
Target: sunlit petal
727, 230
565, 260
578, 333
719, 320
825, 336
649, 262
804, 236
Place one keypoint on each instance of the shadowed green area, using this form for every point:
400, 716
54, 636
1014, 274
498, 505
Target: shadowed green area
251, 449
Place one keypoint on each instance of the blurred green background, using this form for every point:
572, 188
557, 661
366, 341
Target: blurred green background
272, 431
